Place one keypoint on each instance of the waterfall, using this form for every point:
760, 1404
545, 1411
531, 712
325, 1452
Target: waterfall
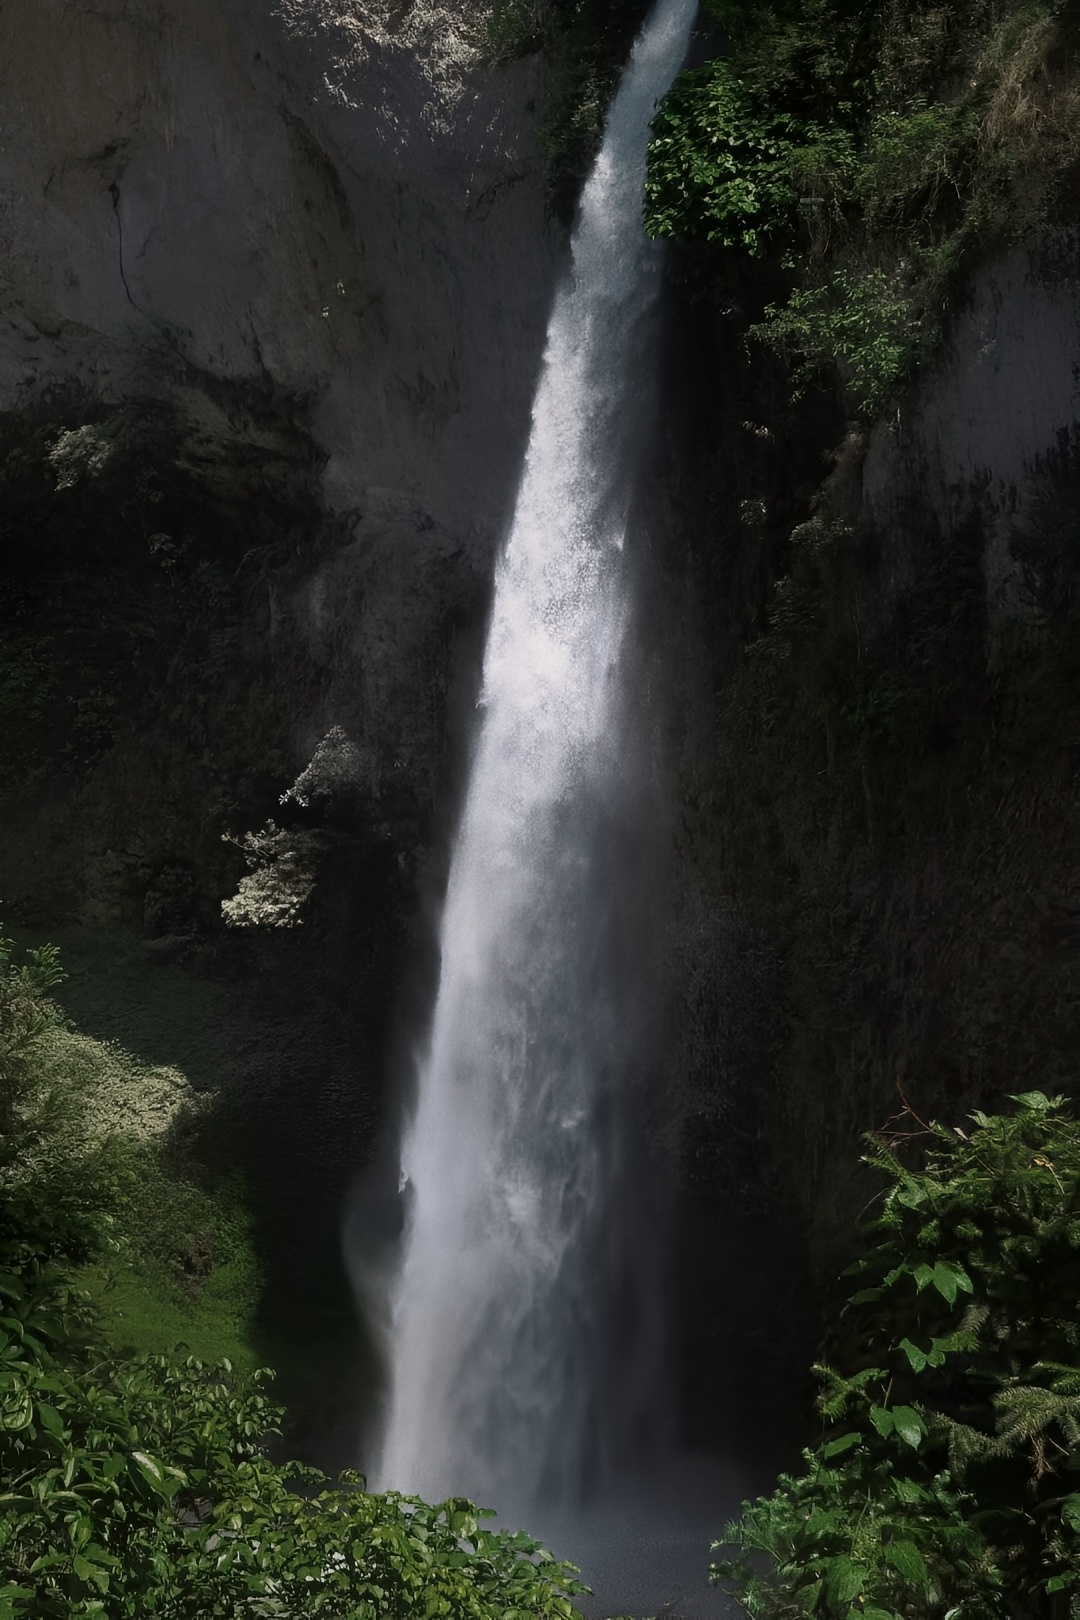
518, 1337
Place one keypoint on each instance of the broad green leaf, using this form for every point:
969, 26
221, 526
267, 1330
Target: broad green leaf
883, 1420
906, 1558
50, 1419
152, 1471
912, 1195
909, 1425
1070, 1511
843, 1442
916, 1357
948, 1278
844, 1579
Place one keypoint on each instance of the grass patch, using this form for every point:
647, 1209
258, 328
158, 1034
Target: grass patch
173, 1262
179, 1268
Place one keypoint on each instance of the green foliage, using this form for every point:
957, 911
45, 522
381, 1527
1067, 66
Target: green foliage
946, 1479
877, 151
92, 1151
25, 1014
34, 1111
142, 1486
178, 1261
858, 323
729, 168
915, 162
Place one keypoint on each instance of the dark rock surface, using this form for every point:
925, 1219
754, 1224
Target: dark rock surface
879, 829
273, 291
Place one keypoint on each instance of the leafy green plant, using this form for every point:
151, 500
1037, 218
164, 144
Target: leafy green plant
876, 152
34, 1110
729, 170
93, 1160
144, 1488
916, 160
946, 1479
859, 323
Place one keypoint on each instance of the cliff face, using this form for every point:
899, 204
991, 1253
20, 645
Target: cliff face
880, 826
322, 253
200, 198
274, 285
981, 438
275, 282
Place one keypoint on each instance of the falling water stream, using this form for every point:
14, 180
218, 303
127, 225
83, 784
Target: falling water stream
522, 1344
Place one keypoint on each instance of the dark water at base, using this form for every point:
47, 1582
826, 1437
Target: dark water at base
645, 1551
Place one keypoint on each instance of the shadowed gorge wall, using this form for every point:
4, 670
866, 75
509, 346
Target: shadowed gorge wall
879, 808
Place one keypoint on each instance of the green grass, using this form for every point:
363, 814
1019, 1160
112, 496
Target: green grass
181, 1267
176, 1264
143, 1314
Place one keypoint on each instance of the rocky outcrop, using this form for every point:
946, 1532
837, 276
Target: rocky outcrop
982, 438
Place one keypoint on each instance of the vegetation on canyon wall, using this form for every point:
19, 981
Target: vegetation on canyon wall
586, 43
945, 1479
141, 1484
877, 152
879, 818
160, 681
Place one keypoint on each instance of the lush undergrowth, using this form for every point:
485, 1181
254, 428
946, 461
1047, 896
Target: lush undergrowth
171, 1258
876, 152
140, 1484
946, 1483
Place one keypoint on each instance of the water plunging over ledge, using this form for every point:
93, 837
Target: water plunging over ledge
523, 1336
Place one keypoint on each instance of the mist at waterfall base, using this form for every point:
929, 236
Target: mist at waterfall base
524, 1319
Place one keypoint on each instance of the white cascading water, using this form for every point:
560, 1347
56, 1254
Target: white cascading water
515, 1339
